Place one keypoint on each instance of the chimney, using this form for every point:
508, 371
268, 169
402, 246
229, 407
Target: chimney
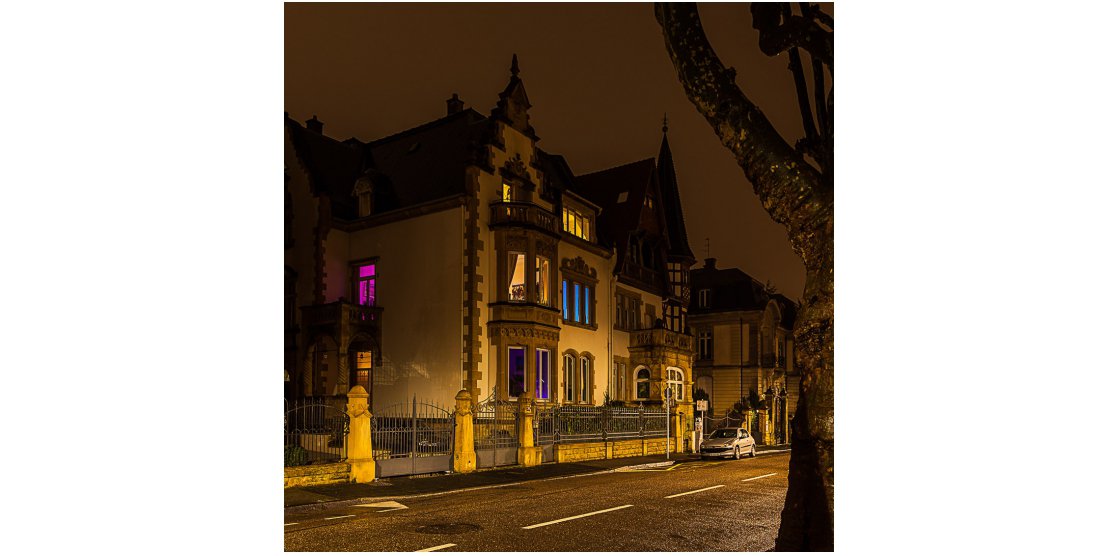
454, 105
315, 125
710, 263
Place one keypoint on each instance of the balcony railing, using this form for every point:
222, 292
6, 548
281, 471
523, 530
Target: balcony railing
660, 337
525, 214
339, 311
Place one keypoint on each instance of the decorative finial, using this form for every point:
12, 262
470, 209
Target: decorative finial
513, 67
665, 124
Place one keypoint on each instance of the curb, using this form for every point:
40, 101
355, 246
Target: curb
656, 465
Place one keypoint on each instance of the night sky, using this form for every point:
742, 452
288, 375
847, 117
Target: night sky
599, 79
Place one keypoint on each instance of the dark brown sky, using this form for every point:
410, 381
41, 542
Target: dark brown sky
598, 77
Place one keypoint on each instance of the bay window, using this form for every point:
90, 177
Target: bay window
516, 277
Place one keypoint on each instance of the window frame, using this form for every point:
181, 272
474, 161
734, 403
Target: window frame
639, 381
357, 279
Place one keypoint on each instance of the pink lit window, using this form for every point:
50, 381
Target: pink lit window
367, 285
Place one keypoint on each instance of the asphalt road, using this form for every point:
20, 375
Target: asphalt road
639, 510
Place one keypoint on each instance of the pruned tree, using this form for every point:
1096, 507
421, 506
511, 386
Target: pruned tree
795, 184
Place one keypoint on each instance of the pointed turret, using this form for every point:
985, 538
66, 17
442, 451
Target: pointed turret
670, 197
513, 103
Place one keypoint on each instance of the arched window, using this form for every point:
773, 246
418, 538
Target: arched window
584, 380
675, 382
569, 378
641, 384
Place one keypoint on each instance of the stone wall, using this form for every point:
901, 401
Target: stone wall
586, 451
322, 474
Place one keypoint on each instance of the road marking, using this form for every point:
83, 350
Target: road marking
339, 516
294, 523
576, 517
694, 491
434, 548
390, 504
391, 510
760, 477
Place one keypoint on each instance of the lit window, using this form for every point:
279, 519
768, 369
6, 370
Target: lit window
542, 281
516, 371
675, 383
649, 201
575, 304
367, 285
577, 224
642, 384
581, 311
516, 276
363, 363
507, 193
564, 298
544, 367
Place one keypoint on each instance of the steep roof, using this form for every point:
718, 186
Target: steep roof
671, 201
620, 192
735, 290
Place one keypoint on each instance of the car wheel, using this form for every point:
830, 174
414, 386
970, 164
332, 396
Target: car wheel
752, 450
736, 452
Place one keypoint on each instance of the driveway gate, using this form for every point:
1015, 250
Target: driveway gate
495, 433
412, 438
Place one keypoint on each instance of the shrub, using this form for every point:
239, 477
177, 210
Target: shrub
295, 455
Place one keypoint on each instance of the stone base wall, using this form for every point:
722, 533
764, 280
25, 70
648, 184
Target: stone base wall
585, 451
322, 474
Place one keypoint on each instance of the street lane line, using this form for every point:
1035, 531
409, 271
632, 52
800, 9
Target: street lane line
576, 517
390, 510
339, 516
760, 477
434, 548
287, 524
694, 491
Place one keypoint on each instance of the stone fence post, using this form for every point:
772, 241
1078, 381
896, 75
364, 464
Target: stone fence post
464, 458
527, 453
678, 430
766, 427
359, 445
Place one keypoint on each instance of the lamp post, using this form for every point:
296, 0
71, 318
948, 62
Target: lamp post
668, 405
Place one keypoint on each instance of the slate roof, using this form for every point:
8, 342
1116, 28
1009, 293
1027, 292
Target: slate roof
604, 188
735, 290
422, 164
671, 201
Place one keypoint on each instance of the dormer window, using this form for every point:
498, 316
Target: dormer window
649, 201
363, 190
577, 224
705, 298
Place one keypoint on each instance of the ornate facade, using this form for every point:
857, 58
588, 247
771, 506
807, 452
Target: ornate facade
460, 255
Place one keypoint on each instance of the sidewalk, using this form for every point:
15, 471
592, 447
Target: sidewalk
411, 486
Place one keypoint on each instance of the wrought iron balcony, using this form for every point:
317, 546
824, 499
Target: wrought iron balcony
522, 214
660, 337
331, 314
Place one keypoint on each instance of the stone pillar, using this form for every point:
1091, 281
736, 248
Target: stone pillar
678, 430
766, 427
527, 453
359, 445
464, 459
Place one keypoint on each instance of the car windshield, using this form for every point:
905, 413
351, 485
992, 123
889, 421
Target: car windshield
725, 433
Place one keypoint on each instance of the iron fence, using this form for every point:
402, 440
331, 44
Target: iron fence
412, 430
572, 423
495, 425
315, 431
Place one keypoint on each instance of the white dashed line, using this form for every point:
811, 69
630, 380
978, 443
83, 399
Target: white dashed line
576, 517
390, 510
434, 548
760, 477
694, 491
339, 516
287, 524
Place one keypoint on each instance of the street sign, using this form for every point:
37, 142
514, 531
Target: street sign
701, 405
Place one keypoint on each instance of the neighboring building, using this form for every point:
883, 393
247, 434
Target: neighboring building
744, 343
458, 254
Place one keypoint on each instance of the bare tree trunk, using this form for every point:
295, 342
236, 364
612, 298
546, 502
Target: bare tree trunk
799, 197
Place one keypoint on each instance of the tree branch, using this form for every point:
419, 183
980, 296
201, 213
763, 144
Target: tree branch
791, 190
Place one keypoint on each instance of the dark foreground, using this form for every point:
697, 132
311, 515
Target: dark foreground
636, 510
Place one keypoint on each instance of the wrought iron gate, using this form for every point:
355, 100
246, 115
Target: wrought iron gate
314, 432
495, 433
412, 439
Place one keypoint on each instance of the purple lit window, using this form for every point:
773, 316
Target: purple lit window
516, 371
543, 370
367, 285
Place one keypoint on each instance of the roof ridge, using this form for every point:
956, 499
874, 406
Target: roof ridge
650, 160
423, 127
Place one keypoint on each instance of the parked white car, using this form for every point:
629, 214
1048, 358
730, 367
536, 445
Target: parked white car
728, 442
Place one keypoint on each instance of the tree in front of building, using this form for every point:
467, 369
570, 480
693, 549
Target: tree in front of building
795, 185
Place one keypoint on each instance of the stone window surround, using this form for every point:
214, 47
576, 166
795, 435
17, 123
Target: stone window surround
576, 357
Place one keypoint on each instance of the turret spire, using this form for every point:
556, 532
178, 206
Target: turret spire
665, 124
513, 70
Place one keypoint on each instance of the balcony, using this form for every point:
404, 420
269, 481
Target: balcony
342, 312
522, 214
660, 337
